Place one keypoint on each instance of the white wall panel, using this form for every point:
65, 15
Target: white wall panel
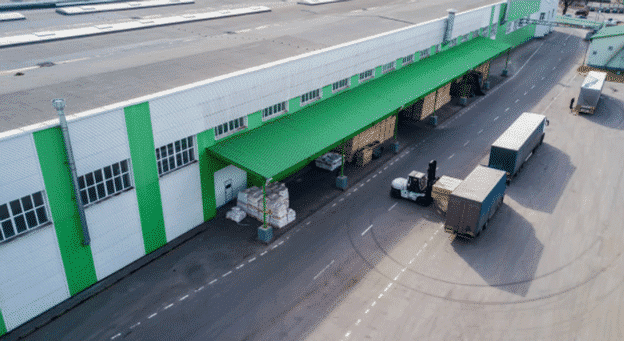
99, 141
176, 117
116, 235
467, 22
182, 200
32, 279
20, 173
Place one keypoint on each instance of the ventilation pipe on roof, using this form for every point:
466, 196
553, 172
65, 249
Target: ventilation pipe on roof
448, 32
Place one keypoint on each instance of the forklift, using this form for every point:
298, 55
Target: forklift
417, 187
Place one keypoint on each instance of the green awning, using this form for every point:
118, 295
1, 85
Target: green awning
577, 22
270, 150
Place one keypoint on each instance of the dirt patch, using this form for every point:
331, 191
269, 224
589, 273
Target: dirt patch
611, 76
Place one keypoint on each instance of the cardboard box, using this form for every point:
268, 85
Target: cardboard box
444, 96
442, 189
428, 105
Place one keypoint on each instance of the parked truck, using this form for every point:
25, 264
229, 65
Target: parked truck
590, 92
473, 203
517, 143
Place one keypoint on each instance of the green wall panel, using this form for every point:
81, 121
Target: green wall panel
3, 328
206, 169
254, 120
378, 72
355, 81
294, 104
327, 92
77, 258
144, 167
501, 13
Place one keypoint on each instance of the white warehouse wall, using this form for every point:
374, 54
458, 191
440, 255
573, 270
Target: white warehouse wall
182, 203
114, 223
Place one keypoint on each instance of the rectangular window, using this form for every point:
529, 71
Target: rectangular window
368, 74
23, 214
274, 110
230, 128
341, 84
170, 157
424, 53
101, 183
387, 67
407, 60
310, 97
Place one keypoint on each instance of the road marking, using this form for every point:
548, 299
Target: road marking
152, 316
396, 278
543, 78
450, 157
380, 296
328, 265
72, 60
436, 232
227, 273
116, 336
526, 92
419, 251
465, 144
341, 199
135, 325
367, 310
533, 86
199, 289
183, 298
374, 176
348, 333
308, 223
379, 172
496, 118
368, 180
348, 194
391, 163
554, 67
412, 261
373, 304
391, 207
169, 306
213, 282
358, 322
280, 243
506, 110
430, 238
240, 266
368, 228
243, 31
355, 190
274, 246
261, 27
385, 167
424, 246
480, 131
517, 101
334, 205
403, 270
251, 260
8, 72
361, 185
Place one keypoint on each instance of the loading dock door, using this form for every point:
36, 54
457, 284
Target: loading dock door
228, 182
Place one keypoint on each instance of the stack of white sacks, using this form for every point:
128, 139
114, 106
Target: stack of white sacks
278, 212
236, 214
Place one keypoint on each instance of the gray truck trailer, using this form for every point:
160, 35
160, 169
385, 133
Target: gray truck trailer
590, 92
517, 143
474, 202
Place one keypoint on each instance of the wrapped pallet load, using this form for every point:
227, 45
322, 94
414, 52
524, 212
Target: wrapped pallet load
442, 189
444, 96
428, 105
236, 214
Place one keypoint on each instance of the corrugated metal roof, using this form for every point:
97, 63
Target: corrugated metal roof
609, 32
594, 80
277, 146
519, 131
479, 183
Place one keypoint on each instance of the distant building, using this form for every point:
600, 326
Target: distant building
607, 49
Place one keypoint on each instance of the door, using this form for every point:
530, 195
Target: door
228, 182
229, 191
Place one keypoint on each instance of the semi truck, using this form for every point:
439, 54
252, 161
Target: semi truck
509, 152
589, 94
416, 187
473, 203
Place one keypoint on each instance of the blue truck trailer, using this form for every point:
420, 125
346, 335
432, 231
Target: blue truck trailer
474, 202
517, 143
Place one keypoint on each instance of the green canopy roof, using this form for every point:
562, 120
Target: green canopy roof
609, 32
578, 22
293, 140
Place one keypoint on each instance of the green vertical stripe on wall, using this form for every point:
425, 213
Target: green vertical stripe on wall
144, 168
3, 328
206, 169
77, 258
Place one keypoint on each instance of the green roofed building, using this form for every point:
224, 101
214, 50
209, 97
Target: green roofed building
606, 50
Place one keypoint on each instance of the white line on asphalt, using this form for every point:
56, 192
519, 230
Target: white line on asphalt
116, 336
373, 304
368, 180
385, 167
379, 172
517, 101
480, 131
450, 157
374, 176
213, 281
135, 325
348, 194
358, 322
554, 67
274, 246
227, 273
199, 289
261, 27
436, 232
526, 92
424, 246
368, 228
240, 266
367, 310
280, 243
328, 265
251, 260
183, 298
72, 60
506, 110
380, 296
8, 72
153, 315
430, 238
169, 306
341, 199
355, 190
533, 86
496, 118
334, 205
412, 261
308, 223
403, 270
465, 144
391, 163
243, 31
287, 237
397, 277
361, 185
419, 251
348, 333
543, 78
407, 152
391, 207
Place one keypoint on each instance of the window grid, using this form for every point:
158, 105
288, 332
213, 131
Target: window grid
21, 215
387, 67
368, 74
175, 155
274, 110
424, 53
310, 96
407, 59
341, 84
105, 182
230, 127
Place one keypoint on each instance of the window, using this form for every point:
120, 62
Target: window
424, 53
341, 84
387, 67
368, 74
274, 110
542, 16
407, 59
310, 97
229, 128
595, 52
175, 155
104, 182
21, 215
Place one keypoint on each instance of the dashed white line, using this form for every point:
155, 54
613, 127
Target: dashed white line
396, 278
554, 67
213, 281
430, 238
361, 185
368, 180
465, 144
355, 190
261, 27
169, 306
496, 118
116, 336
152, 316
348, 333
436, 232
450, 157
480, 131
424, 246
543, 78
227, 273
199, 289
341, 199
419, 251
526, 92
374, 176
517, 101
367, 310
274, 246
379, 172
243, 31
251, 260
358, 322
391, 207
280, 243
506, 110
412, 260
183, 298
385, 167
533, 86
334, 205
348, 194
240, 266
391, 163
380, 296
135, 325
368, 228
328, 265
373, 304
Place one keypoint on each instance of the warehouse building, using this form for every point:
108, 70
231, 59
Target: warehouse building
606, 50
155, 167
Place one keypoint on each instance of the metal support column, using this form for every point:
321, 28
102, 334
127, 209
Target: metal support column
59, 105
265, 232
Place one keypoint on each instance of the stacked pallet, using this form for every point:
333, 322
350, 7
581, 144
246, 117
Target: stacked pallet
442, 190
444, 95
278, 213
484, 69
381, 132
432, 102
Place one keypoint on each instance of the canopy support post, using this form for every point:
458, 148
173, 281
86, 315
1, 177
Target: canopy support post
265, 232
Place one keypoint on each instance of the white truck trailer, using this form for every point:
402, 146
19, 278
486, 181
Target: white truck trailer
590, 92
